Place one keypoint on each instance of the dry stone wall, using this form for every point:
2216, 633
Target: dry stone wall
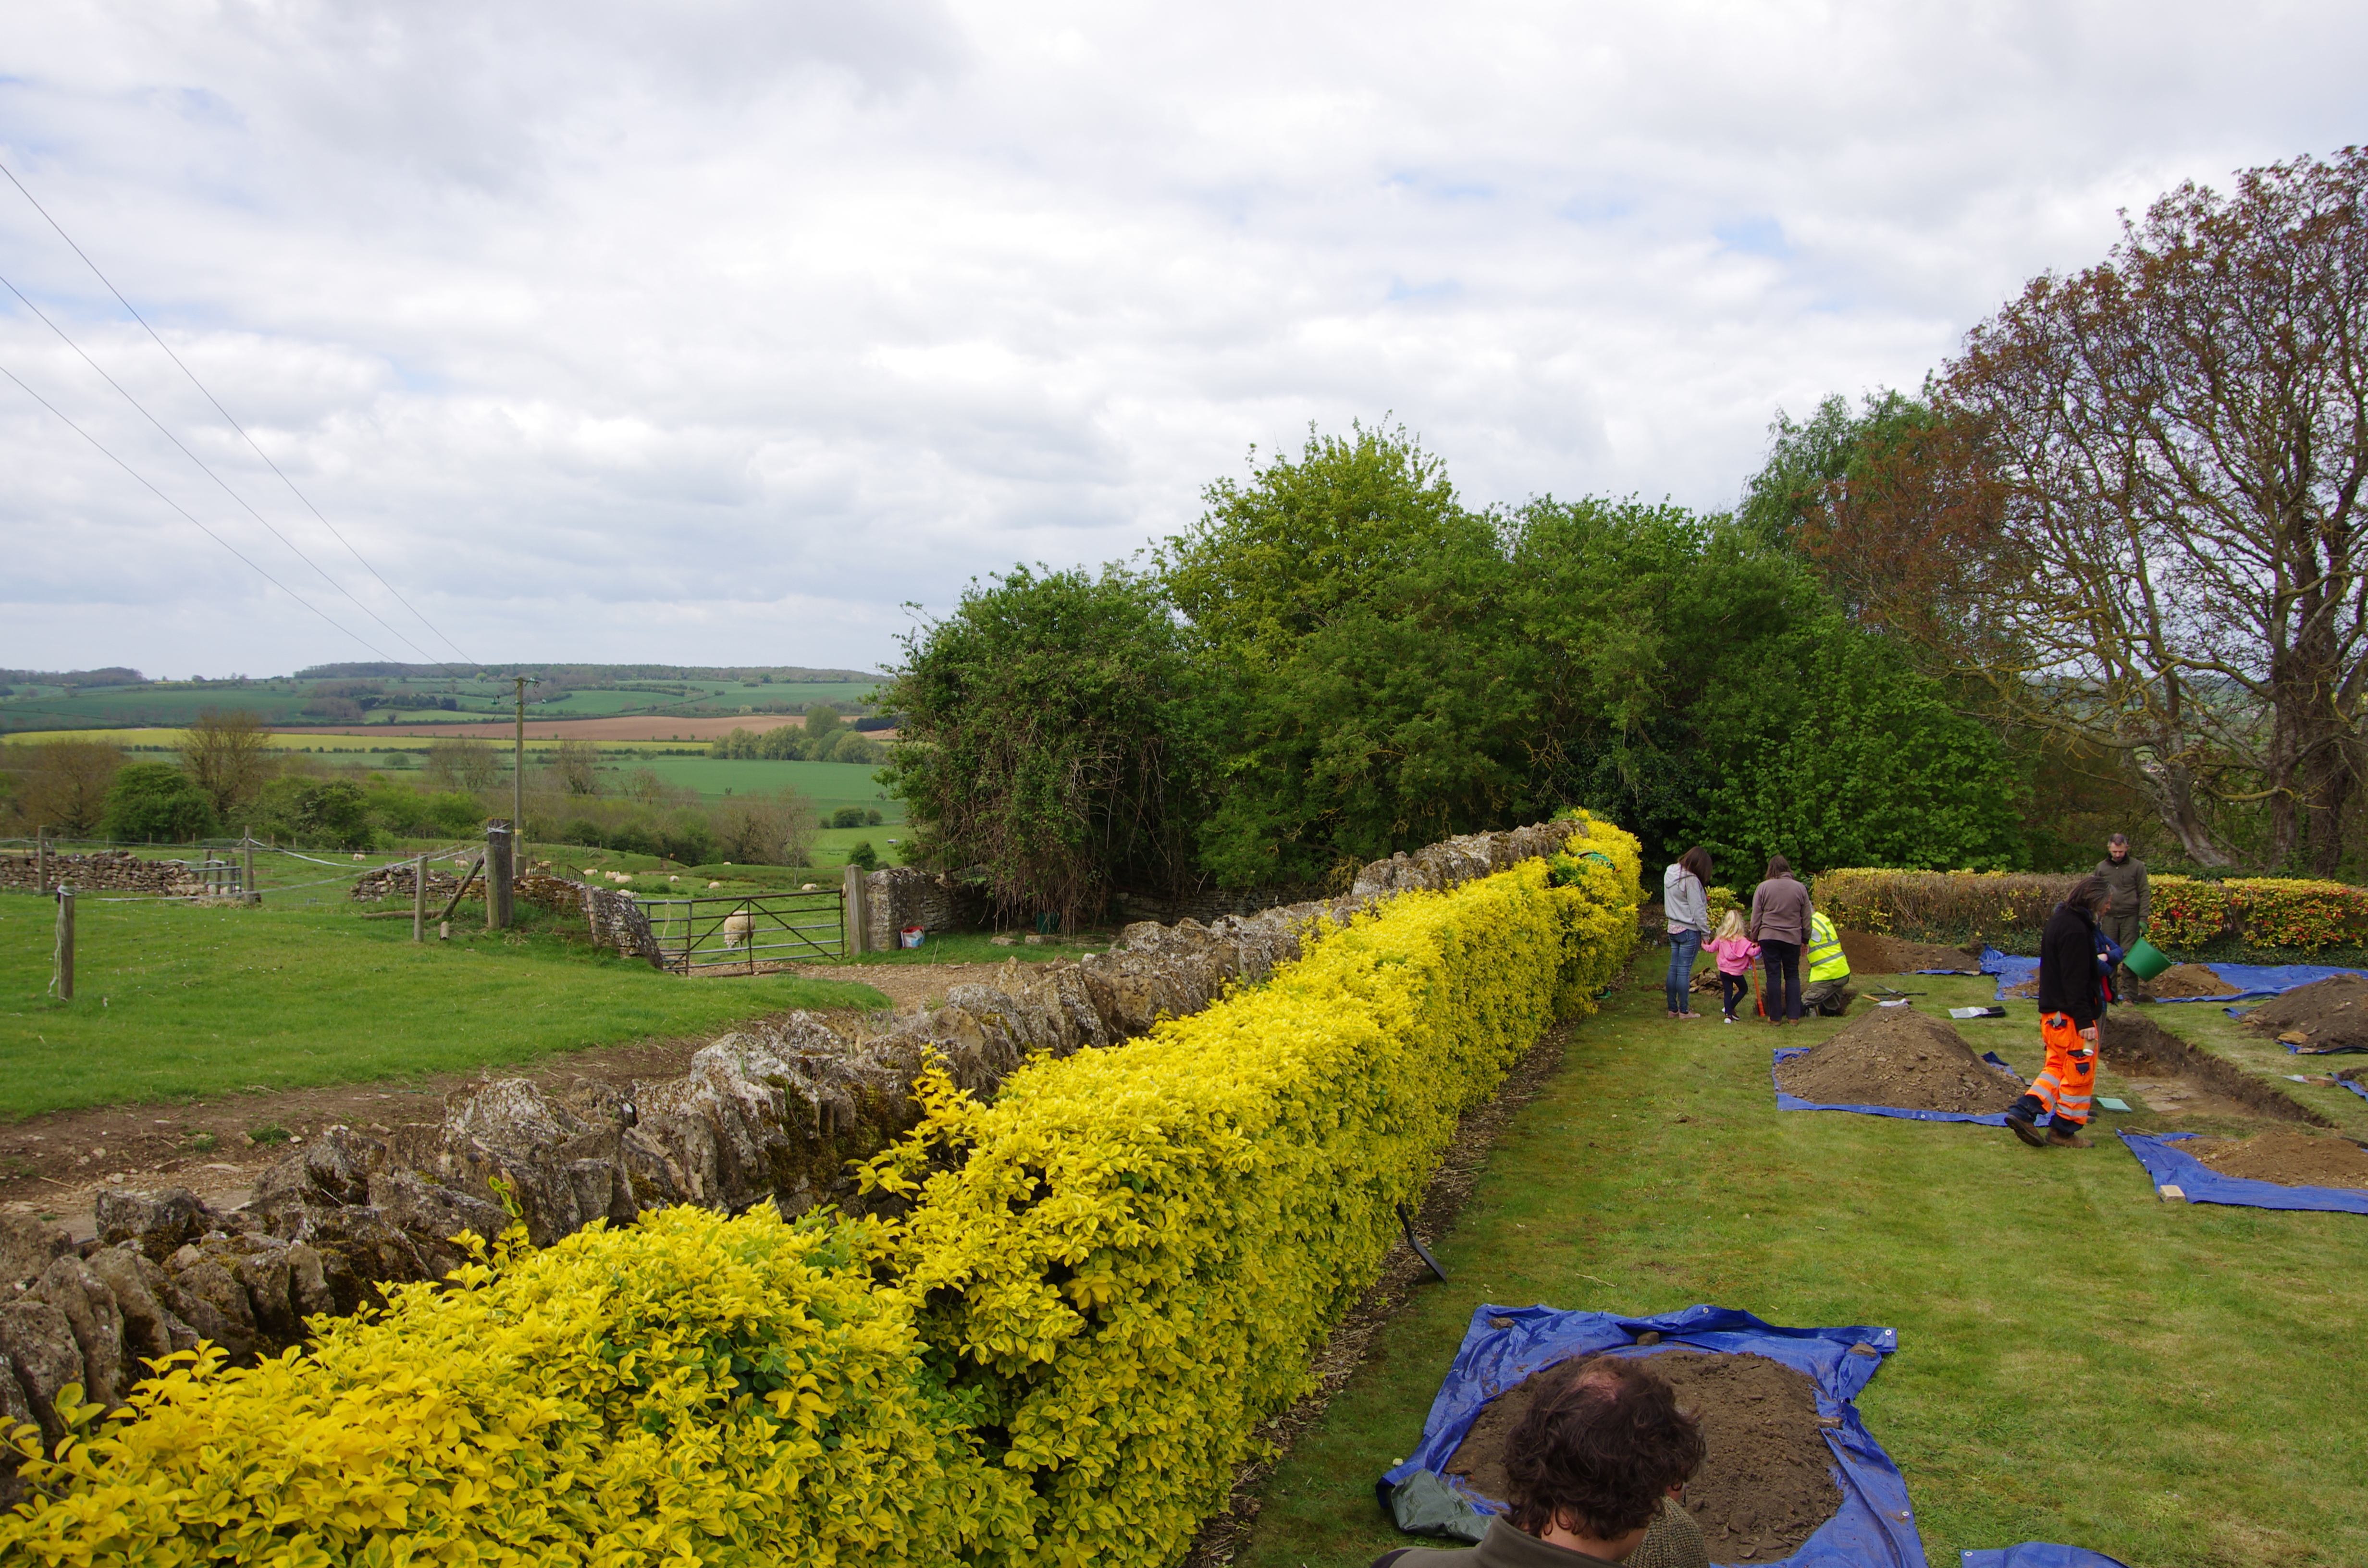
103, 870
770, 1113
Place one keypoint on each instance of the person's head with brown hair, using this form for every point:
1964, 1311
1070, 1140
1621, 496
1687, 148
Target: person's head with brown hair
2089, 893
1697, 861
1602, 1443
1779, 866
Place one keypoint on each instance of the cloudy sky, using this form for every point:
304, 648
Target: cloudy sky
717, 332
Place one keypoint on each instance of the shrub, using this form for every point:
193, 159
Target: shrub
692, 1389
1139, 1246
155, 800
861, 853
847, 817
2187, 913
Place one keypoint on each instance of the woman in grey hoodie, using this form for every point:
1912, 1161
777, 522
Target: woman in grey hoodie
1685, 899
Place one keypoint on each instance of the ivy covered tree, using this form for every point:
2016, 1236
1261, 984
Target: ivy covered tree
1048, 740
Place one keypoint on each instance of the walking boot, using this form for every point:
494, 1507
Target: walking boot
2022, 1120
2062, 1135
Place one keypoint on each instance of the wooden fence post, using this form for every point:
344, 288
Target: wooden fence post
498, 878
858, 912
41, 858
419, 899
246, 875
65, 943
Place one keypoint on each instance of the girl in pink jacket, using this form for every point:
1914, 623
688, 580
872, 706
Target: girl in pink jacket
1734, 952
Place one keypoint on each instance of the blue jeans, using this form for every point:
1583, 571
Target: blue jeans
1684, 945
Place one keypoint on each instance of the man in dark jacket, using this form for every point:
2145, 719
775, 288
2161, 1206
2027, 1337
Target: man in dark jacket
2069, 1003
2124, 875
1594, 1467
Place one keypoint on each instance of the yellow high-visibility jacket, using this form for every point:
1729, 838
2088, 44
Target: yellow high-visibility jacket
1824, 959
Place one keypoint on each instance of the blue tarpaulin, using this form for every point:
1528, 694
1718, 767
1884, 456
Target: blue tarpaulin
1875, 1527
2355, 1088
2170, 1166
1794, 1102
2251, 980
2038, 1554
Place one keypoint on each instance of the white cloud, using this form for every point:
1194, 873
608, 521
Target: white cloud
716, 330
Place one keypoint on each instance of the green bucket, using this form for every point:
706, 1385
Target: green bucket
2145, 959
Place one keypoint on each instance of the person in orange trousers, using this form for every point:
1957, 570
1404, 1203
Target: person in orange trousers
2070, 1001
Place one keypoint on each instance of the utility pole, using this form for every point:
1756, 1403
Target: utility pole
517, 766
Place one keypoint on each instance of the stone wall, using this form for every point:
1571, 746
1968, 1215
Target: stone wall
1209, 905
103, 871
898, 896
769, 1113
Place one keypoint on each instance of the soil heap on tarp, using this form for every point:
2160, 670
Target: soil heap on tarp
2027, 989
2287, 1158
2317, 1017
2188, 980
1897, 1056
1767, 1482
1872, 954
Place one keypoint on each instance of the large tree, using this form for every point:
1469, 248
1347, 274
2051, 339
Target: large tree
1045, 738
2179, 438
227, 754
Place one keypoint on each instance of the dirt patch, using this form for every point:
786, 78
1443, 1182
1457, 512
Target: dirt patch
2188, 980
2023, 991
2136, 1047
2287, 1158
1872, 954
57, 1164
1897, 1056
1767, 1479
2323, 1015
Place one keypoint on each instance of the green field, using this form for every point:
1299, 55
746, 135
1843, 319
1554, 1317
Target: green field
174, 1002
828, 785
281, 701
2079, 1362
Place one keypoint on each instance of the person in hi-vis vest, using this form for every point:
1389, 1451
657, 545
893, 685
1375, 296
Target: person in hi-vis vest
1829, 991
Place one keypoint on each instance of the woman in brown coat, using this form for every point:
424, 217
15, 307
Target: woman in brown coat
1779, 924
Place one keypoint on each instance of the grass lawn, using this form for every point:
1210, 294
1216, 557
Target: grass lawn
2079, 1362
174, 1001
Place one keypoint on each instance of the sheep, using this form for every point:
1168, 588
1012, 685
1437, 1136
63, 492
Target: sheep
737, 928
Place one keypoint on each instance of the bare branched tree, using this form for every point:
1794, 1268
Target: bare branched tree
228, 753
2179, 438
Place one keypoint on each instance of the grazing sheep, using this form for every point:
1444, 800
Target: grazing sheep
737, 928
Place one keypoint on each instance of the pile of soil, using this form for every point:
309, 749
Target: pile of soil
2287, 1158
2028, 989
2139, 1048
2322, 1015
1870, 954
1897, 1056
1767, 1482
2188, 980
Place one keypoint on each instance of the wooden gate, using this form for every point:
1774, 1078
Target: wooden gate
746, 934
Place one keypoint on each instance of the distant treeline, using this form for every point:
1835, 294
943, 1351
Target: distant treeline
114, 675
752, 673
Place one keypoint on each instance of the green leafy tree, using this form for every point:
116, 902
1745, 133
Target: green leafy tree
1048, 739
1827, 747
157, 801
1306, 541
861, 854
1385, 727
332, 812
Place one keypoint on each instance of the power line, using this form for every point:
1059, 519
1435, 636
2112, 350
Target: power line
207, 472
201, 527
235, 424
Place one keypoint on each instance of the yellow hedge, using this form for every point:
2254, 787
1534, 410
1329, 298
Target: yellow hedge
1059, 1357
1139, 1247
2263, 912
693, 1389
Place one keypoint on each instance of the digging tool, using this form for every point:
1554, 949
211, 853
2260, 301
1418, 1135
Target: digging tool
1420, 1251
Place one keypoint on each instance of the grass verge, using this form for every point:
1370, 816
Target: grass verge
175, 1001
2079, 1362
